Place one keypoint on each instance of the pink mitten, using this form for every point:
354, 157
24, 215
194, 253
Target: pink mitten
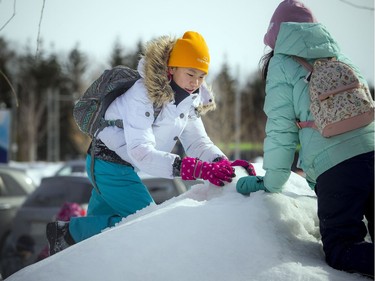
225, 161
245, 164
215, 173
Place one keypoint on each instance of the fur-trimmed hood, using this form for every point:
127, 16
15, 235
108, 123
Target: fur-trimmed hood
153, 68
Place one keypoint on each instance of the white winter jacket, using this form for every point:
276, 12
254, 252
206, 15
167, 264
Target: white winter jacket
147, 143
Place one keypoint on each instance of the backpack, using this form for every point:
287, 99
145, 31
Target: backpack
339, 102
89, 110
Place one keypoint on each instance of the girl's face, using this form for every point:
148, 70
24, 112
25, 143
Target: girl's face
189, 79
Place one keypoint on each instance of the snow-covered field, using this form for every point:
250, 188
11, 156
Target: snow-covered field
208, 233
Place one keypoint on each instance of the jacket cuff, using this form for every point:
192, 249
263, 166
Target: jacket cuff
176, 167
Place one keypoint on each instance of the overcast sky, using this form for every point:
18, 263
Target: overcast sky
233, 29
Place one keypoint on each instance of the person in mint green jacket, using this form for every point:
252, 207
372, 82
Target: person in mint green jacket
339, 168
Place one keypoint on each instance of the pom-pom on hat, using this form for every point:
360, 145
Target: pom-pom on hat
190, 51
287, 11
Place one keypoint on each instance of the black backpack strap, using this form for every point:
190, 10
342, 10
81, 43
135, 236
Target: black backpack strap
118, 123
156, 111
92, 154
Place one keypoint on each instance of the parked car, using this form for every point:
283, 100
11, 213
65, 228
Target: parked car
15, 185
72, 167
44, 203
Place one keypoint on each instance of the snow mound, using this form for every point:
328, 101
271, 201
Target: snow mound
207, 233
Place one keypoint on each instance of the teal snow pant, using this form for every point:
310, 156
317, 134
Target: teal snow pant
122, 193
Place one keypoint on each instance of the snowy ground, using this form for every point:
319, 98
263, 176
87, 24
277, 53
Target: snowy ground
208, 233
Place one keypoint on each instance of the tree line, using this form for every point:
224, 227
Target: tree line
40, 92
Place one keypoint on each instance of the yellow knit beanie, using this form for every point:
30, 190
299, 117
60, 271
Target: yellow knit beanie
190, 51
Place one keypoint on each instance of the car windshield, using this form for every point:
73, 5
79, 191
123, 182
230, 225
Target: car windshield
20, 182
71, 168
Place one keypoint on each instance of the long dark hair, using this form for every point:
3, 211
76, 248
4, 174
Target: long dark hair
264, 62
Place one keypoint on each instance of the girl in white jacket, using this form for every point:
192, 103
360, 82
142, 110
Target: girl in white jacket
172, 82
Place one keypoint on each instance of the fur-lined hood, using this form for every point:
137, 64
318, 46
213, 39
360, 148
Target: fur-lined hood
153, 68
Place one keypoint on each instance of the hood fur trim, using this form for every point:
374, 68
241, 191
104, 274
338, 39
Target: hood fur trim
155, 74
155, 57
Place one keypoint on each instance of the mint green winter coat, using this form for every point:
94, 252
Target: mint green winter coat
287, 100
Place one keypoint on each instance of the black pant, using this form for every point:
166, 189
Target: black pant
345, 196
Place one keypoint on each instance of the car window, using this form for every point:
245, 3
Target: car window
69, 170
55, 191
72, 168
154, 185
10, 187
2, 187
64, 171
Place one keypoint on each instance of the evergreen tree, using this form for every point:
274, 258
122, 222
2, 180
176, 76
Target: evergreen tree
253, 96
120, 57
73, 143
253, 119
117, 56
220, 123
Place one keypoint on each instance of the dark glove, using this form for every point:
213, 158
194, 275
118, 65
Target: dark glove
215, 172
245, 164
246, 185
